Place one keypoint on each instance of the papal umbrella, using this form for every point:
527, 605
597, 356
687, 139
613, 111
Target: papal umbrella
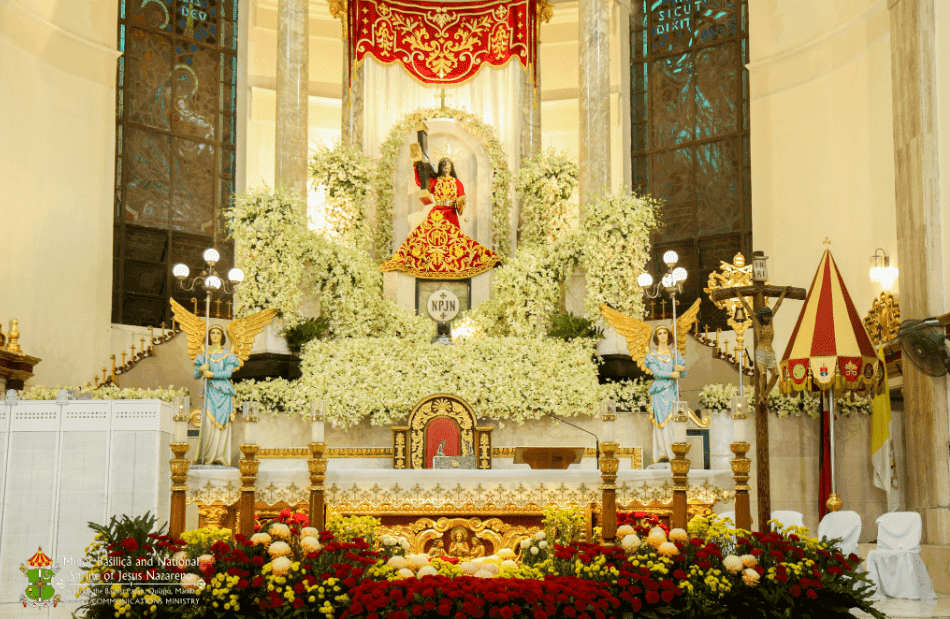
830, 352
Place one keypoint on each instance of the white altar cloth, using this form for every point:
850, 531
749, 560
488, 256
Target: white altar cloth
288, 480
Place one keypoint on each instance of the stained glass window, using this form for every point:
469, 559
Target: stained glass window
690, 131
175, 153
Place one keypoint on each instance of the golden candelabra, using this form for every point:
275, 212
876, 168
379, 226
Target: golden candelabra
179, 466
741, 467
609, 463
249, 465
680, 466
317, 464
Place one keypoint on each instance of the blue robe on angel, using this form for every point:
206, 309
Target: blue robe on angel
215, 444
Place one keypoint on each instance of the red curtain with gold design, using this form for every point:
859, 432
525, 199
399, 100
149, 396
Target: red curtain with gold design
445, 43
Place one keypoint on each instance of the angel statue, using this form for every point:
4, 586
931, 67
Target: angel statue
216, 365
667, 367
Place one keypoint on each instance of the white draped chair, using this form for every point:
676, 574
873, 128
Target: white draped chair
895, 566
788, 518
846, 526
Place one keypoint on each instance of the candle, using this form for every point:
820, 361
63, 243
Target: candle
317, 415
738, 420
250, 431
180, 419
250, 423
679, 423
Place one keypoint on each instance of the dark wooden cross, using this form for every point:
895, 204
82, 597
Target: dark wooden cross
759, 292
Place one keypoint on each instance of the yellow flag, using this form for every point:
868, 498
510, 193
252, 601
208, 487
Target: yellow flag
881, 432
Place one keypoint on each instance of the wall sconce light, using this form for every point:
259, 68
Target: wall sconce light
881, 269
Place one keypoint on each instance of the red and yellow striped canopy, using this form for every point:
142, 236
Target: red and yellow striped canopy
829, 347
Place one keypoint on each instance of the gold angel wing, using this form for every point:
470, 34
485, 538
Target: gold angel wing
191, 325
636, 332
243, 331
684, 323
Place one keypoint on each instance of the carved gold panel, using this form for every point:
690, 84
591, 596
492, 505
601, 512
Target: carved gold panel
465, 538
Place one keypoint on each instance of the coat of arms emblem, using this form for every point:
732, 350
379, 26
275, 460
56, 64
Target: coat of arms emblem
40, 571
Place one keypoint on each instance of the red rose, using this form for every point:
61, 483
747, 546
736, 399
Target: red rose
667, 596
130, 544
795, 591
652, 597
811, 593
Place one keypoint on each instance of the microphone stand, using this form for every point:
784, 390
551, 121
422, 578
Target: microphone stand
596, 439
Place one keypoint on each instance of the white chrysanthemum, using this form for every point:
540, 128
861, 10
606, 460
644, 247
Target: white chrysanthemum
309, 545
506, 553
750, 577
630, 542
668, 549
388, 540
733, 564
657, 536
679, 535
405, 573
483, 573
280, 566
543, 544
625, 530
404, 544
525, 544
189, 581
417, 561
427, 570
180, 559
469, 567
540, 535
279, 530
205, 560
280, 549
508, 563
397, 563
534, 550
749, 560
309, 532
261, 539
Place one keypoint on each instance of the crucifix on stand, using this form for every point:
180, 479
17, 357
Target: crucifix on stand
765, 362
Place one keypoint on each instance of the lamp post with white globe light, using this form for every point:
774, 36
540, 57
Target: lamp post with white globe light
672, 284
211, 282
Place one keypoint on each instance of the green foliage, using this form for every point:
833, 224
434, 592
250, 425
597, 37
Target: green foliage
311, 329
120, 529
568, 326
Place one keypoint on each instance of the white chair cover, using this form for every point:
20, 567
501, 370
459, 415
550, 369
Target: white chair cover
845, 525
789, 518
895, 566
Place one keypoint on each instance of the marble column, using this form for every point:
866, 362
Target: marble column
594, 99
352, 105
529, 101
293, 80
921, 246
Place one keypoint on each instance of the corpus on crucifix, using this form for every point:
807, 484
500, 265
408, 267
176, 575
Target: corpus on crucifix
759, 291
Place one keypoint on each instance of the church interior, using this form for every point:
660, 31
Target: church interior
578, 272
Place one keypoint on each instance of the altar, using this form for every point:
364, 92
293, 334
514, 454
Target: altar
499, 506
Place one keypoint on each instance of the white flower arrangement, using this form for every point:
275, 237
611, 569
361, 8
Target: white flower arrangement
383, 180
269, 229
630, 395
850, 403
345, 175
616, 247
104, 392
717, 398
546, 183
613, 245
506, 379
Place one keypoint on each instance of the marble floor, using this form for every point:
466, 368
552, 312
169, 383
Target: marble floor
938, 609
